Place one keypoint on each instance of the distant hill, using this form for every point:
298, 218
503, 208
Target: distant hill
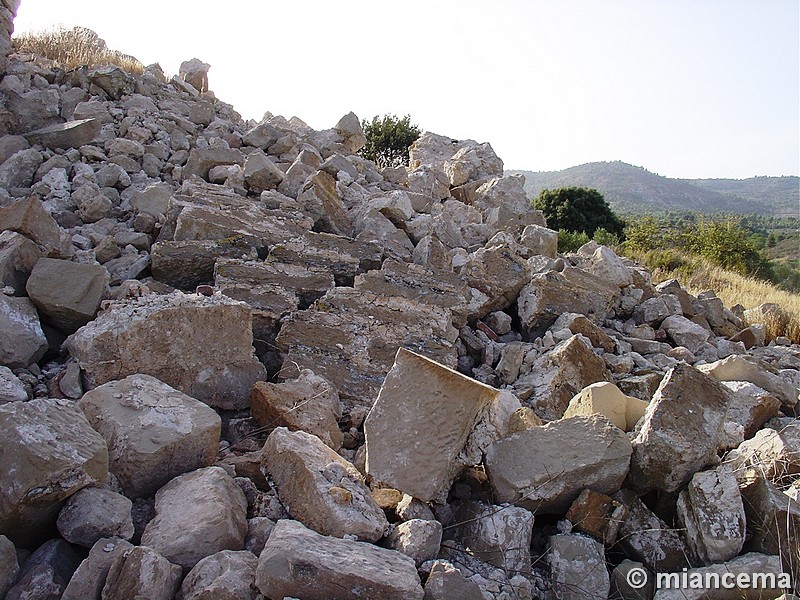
631, 189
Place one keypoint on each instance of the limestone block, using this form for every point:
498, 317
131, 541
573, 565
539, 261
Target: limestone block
141, 572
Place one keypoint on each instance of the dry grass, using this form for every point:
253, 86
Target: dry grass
75, 48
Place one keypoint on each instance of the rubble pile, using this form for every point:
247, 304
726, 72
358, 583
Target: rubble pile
240, 361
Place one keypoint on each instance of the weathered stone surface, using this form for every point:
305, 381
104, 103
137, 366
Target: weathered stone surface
750, 406
711, 512
321, 200
94, 513
557, 376
202, 160
548, 295
195, 73
18, 170
597, 515
299, 562
68, 294
577, 568
308, 403
90, 577
577, 323
654, 310
23, 339
540, 240
544, 469
9, 567
112, 80
319, 488
154, 432
18, 256
738, 368
469, 160
202, 346
187, 264
72, 134
686, 333
447, 583
416, 538
29, 218
606, 398
646, 538
48, 451
498, 535
350, 337
261, 173
609, 267
226, 575
770, 453
420, 423
621, 578
141, 572
768, 568
197, 514
679, 432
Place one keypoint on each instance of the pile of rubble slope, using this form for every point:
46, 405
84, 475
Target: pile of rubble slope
240, 361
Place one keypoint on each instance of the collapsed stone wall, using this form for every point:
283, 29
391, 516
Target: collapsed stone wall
233, 346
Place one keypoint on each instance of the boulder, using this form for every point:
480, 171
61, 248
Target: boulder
195, 73
67, 293
419, 425
597, 515
9, 567
349, 127
23, 339
141, 572
154, 431
196, 515
112, 80
261, 173
298, 562
447, 583
90, 577
48, 452
544, 469
686, 333
202, 346
577, 568
609, 267
94, 513
320, 199
18, 170
11, 388
29, 218
607, 399
416, 538
72, 134
226, 575
187, 264
579, 324
540, 240
202, 160
628, 571
319, 488
739, 368
773, 453
654, 310
679, 432
18, 256
308, 403
750, 406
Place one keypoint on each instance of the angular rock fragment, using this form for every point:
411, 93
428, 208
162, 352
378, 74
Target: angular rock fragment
72, 134
187, 264
544, 469
94, 513
23, 339
420, 423
772, 453
226, 575
197, 514
319, 488
48, 451
29, 218
578, 568
607, 399
447, 583
18, 256
738, 368
417, 538
141, 572
90, 577
298, 562
9, 567
154, 431
686, 333
750, 406
679, 432
597, 515
202, 346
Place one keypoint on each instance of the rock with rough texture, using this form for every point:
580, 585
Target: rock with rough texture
197, 514
750, 406
298, 562
18, 170
540, 240
420, 423
94, 513
321, 201
72, 134
154, 432
738, 368
9, 567
416, 538
23, 339
202, 346
29, 218
773, 453
308, 403
195, 73
544, 469
226, 575
90, 577
18, 256
679, 432
11, 388
261, 173
319, 488
686, 333
141, 572
621, 578
48, 451
187, 264
597, 515
577, 568
66, 293
711, 512
607, 399
498, 535
447, 583
579, 324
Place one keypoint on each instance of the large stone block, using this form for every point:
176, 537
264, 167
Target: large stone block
420, 423
72, 134
298, 562
141, 572
18, 256
48, 451
606, 398
578, 568
90, 577
154, 432
202, 346
739, 368
23, 340
544, 469
29, 218
226, 575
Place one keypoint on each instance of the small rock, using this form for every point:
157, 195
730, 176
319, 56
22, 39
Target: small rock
94, 513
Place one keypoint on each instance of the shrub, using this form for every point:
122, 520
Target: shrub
74, 48
605, 238
388, 139
569, 241
578, 209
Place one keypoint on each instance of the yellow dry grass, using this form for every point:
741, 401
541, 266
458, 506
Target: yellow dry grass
75, 48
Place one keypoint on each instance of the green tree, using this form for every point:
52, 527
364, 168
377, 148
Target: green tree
578, 209
388, 139
726, 244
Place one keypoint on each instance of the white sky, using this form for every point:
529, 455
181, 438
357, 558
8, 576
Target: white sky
684, 88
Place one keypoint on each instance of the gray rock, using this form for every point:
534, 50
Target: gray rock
739, 368
226, 575
72, 134
154, 431
11, 388
578, 568
18, 170
29, 218
197, 514
319, 488
621, 578
449, 584
298, 562
113, 81
195, 73
417, 538
48, 452
141, 572
94, 513
750, 406
261, 173
9, 567
90, 577
18, 256
23, 339
544, 469
686, 333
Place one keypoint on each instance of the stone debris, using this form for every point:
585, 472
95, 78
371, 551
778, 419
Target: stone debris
264, 326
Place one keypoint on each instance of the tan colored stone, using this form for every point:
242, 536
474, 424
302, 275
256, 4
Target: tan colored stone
607, 399
141, 572
738, 368
597, 515
523, 419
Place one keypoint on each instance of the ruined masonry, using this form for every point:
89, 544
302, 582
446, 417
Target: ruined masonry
240, 361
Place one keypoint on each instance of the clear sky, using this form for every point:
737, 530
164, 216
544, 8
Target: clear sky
684, 88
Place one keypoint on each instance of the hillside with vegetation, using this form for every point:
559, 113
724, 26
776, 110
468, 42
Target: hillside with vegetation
632, 189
